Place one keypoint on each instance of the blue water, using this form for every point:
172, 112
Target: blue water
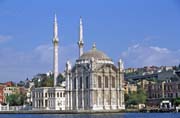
116, 115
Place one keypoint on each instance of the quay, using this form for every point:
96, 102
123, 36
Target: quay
88, 111
63, 112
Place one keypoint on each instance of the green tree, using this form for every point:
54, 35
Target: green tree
136, 98
177, 101
141, 96
48, 82
15, 99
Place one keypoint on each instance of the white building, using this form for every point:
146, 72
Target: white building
9, 90
48, 98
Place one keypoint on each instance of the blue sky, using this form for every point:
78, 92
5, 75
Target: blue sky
140, 32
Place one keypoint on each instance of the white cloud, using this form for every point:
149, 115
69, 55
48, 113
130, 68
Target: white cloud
5, 38
140, 55
160, 50
15, 65
44, 53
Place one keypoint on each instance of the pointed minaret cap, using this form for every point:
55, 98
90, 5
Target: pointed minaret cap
55, 18
81, 42
55, 39
80, 20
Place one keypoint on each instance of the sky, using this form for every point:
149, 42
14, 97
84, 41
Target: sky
140, 32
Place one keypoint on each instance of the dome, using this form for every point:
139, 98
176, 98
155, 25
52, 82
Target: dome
96, 54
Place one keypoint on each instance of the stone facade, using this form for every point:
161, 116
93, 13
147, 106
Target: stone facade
94, 83
48, 98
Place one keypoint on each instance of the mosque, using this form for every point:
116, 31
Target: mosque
92, 83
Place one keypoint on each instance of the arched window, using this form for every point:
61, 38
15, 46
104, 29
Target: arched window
113, 82
87, 82
80, 83
106, 82
60, 94
74, 83
99, 81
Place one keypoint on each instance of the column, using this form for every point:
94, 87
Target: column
102, 83
89, 91
77, 92
118, 89
67, 91
110, 85
71, 83
83, 80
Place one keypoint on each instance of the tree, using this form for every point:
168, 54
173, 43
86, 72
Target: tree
136, 98
48, 82
141, 96
132, 99
15, 99
177, 101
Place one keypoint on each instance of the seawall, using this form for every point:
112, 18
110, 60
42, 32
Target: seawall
63, 112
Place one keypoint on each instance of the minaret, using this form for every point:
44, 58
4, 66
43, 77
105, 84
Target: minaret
55, 53
80, 42
121, 65
121, 84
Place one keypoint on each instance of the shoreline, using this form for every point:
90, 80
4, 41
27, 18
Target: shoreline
85, 111
65, 112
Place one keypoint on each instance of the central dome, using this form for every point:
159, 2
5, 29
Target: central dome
94, 53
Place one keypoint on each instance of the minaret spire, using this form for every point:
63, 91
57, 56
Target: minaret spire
55, 29
80, 42
55, 56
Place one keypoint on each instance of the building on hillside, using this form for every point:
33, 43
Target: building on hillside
130, 70
94, 82
144, 84
157, 76
163, 91
9, 91
1, 94
9, 84
166, 68
130, 88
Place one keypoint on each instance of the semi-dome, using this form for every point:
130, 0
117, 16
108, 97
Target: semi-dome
94, 53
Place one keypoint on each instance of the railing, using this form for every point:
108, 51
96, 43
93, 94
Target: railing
14, 108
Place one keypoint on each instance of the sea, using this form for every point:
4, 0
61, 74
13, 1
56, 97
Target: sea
109, 115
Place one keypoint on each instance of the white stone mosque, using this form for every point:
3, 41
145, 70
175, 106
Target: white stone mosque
92, 83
